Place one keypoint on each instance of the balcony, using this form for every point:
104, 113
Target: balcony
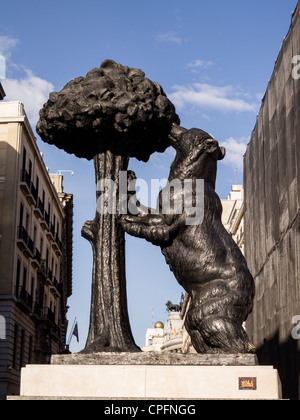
27, 187
24, 242
24, 298
45, 221
43, 313
55, 288
45, 273
33, 196
57, 245
48, 315
37, 310
39, 209
36, 258
51, 232
25, 182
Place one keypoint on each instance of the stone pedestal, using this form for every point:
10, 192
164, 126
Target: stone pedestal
151, 376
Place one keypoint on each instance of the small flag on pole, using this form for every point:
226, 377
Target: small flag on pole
75, 332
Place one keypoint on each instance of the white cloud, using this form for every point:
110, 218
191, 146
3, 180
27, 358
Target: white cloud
200, 64
7, 43
31, 90
224, 98
235, 150
168, 37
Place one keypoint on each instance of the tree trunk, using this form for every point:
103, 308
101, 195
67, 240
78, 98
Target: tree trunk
109, 322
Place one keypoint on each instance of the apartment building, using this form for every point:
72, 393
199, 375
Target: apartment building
35, 251
233, 215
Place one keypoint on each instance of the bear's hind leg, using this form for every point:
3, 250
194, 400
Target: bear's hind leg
226, 334
197, 340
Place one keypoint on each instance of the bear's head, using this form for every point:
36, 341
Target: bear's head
197, 154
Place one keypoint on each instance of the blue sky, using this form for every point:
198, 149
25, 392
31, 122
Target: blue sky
213, 59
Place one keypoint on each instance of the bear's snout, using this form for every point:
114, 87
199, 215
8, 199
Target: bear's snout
222, 153
212, 146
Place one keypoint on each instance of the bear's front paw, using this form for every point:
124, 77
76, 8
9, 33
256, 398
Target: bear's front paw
128, 218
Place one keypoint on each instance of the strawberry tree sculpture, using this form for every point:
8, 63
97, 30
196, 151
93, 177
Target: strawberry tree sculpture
111, 115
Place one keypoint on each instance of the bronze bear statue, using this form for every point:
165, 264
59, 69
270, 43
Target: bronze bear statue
205, 260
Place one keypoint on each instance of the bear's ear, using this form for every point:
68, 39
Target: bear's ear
175, 134
222, 153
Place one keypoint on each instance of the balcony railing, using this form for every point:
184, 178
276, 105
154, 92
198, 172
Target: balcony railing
39, 208
57, 245
45, 221
25, 242
56, 287
36, 258
37, 255
24, 297
27, 187
43, 313
34, 192
58, 241
25, 179
51, 232
45, 272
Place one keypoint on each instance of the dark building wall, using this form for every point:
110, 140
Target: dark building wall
272, 222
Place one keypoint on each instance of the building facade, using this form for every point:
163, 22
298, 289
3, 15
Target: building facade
168, 337
233, 214
35, 252
272, 220
154, 337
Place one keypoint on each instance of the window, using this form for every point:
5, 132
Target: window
45, 301
16, 334
30, 350
27, 222
24, 159
34, 236
32, 286
47, 257
21, 215
30, 170
37, 184
18, 276
22, 348
24, 277
42, 247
